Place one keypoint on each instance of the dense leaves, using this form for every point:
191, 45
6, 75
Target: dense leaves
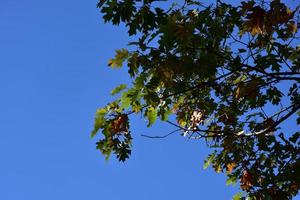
230, 75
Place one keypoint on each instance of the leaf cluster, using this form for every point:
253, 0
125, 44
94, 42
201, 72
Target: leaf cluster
229, 75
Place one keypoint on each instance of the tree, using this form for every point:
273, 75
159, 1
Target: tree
230, 75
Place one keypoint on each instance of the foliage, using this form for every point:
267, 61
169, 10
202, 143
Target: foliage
230, 75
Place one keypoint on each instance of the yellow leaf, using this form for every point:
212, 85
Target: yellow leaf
120, 57
289, 11
218, 168
256, 30
181, 122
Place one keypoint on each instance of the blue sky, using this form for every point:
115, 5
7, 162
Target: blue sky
53, 76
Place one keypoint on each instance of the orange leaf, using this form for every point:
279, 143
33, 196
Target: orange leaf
230, 167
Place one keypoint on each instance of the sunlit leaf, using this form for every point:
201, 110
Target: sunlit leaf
118, 89
209, 160
151, 115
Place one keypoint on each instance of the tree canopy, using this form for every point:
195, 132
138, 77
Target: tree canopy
228, 74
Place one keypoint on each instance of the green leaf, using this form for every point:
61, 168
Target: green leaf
118, 89
139, 81
294, 56
238, 196
231, 180
151, 115
125, 101
209, 160
99, 121
165, 113
103, 146
123, 151
241, 78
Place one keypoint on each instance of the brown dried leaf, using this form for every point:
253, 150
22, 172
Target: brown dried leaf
246, 180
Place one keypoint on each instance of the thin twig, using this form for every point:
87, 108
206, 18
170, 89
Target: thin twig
162, 136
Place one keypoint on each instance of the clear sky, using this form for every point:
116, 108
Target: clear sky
53, 76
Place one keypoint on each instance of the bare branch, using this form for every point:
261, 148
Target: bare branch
162, 136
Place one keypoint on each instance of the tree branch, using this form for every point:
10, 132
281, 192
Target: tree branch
162, 136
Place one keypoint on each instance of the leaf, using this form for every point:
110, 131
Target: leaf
125, 101
209, 160
246, 180
123, 151
241, 78
238, 196
120, 57
218, 168
104, 147
255, 23
231, 180
165, 113
230, 167
294, 56
118, 89
99, 121
119, 124
292, 26
151, 115
139, 81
